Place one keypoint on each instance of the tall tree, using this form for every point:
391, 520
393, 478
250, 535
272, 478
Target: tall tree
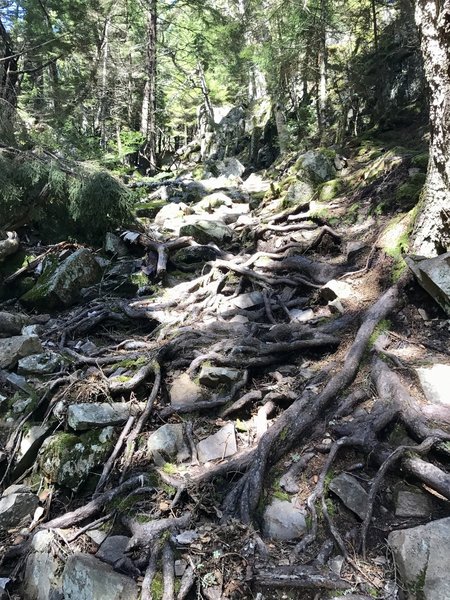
148, 120
432, 231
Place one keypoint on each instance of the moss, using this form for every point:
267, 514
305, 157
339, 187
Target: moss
396, 238
122, 378
420, 161
330, 189
132, 364
408, 193
170, 468
157, 587
149, 209
383, 326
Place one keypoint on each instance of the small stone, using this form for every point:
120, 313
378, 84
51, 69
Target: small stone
14, 348
15, 507
42, 580
88, 348
412, 504
336, 289
184, 391
97, 414
218, 446
19, 382
40, 364
180, 567
114, 245
283, 521
352, 494
113, 549
186, 537
168, 441
97, 536
88, 578
336, 563
434, 381
301, 316
214, 377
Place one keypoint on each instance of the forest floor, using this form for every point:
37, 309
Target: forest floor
306, 379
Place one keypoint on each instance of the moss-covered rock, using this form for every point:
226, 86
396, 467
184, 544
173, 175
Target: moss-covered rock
317, 166
330, 189
420, 161
60, 284
68, 459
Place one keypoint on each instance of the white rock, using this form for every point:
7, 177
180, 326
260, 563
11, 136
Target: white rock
435, 383
218, 445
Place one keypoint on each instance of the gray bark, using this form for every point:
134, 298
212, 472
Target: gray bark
431, 234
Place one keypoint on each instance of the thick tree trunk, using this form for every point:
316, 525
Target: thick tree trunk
432, 230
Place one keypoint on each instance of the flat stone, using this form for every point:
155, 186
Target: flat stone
19, 382
336, 289
282, 520
98, 536
97, 414
205, 231
218, 445
433, 274
40, 364
168, 441
412, 504
113, 549
186, 537
422, 558
183, 391
213, 377
42, 580
29, 448
86, 577
14, 348
180, 567
14, 507
434, 381
352, 494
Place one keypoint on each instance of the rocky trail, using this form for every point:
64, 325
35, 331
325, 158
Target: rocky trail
246, 396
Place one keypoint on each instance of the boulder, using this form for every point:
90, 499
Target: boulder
68, 459
97, 414
214, 377
169, 212
282, 520
421, 555
317, 165
204, 231
30, 444
219, 445
14, 348
434, 381
167, 442
39, 364
88, 578
230, 167
433, 274
191, 257
42, 579
60, 284
14, 507
351, 492
211, 202
183, 391
115, 246
299, 192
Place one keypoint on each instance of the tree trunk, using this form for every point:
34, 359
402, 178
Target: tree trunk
148, 119
431, 234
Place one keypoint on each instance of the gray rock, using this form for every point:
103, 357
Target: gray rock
214, 377
88, 578
204, 231
16, 489
422, 558
183, 391
318, 166
180, 567
433, 274
29, 448
42, 580
256, 184
244, 301
412, 504
19, 382
282, 520
97, 414
230, 167
299, 192
68, 459
186, 537
336, 289
192, 257
9, 244
352, 494
113, 549
114, 245
60, 285
98, 536
32, 330
14, 348
218, 445
171, 212
4, 581
14, 507
40, 364
434, 381
212, 201
12, 324
168, 441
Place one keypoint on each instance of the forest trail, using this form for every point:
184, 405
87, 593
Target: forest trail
251, 422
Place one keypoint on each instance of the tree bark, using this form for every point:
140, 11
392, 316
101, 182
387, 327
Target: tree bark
431, 234
148, 117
